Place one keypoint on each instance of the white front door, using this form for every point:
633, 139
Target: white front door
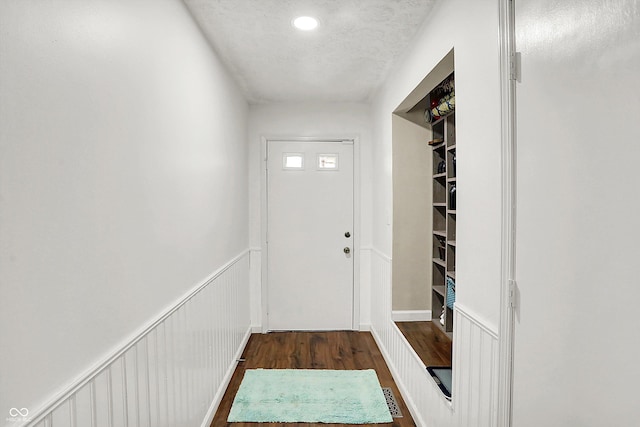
310, 235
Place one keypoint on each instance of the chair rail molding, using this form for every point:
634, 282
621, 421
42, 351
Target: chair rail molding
173, 371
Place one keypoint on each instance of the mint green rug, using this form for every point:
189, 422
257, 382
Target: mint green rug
310, 396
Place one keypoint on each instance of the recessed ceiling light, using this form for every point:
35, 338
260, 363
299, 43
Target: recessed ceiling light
305, 23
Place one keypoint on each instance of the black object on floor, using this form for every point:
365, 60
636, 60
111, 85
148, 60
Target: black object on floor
442, 377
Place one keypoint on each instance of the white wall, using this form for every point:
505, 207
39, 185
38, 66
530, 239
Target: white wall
338, 120
576, 344
123, 179
471, 28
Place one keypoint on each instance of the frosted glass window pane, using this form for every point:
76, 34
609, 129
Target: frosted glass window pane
293, 161
328, 161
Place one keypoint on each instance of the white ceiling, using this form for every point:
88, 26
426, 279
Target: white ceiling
345, 59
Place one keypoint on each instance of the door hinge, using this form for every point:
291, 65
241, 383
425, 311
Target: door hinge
513, 294
515, 65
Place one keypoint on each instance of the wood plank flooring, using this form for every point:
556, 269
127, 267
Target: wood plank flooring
430, 343
310, 350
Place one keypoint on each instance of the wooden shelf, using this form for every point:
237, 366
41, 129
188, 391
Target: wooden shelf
440, 290
444, 220
441, 119
440, 262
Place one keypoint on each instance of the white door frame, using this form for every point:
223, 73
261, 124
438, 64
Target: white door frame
508, 289
264, 288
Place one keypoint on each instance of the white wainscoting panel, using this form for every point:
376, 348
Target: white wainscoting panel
255, 289
475, 371
174, 372
475, 351
365, 289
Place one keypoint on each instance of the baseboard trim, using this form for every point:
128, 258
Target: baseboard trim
226, 380
365, 327
411, 315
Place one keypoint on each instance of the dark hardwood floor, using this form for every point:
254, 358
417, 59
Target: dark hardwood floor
310, 350
430, 343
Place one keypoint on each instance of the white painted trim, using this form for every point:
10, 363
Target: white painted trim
381, 254
355, 322
255, 279
264, 317
226, 380
365, 327
45, 412
468, 313
82, 380
411, 315
508, 243
357, 233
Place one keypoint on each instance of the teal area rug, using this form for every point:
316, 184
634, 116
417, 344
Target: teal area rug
310, 396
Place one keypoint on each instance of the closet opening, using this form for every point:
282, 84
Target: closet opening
424, 220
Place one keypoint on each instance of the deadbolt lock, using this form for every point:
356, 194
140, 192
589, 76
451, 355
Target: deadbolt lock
347, 250
347, 234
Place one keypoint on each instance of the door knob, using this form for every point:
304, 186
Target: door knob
347, 250
347, 234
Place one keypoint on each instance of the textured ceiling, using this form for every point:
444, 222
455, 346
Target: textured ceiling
345, 59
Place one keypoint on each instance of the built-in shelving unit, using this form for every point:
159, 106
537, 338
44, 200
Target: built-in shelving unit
431, 105
444, 221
